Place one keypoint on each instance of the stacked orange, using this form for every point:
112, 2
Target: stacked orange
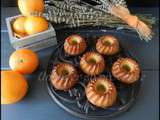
30, 23
13, 83
14, 86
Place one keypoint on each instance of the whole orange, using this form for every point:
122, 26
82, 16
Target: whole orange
20, 35
35, 24
18, 26
13, 87
28, 7
24, 61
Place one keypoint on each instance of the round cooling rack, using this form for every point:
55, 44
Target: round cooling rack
74, 101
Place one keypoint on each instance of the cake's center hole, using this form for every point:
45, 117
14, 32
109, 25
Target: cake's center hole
127, 67
101, 88
107, 42
92, 60
65, 72
73, 41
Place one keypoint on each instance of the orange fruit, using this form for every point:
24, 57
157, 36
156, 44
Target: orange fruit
20, 35
13, 87
27, 7
18, 26
35, 24
24, 61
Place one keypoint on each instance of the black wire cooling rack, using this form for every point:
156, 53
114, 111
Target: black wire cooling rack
74, 101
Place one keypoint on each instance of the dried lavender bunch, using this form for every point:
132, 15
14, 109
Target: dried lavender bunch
79, 13
63, 16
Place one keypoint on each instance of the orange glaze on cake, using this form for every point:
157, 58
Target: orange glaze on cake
64, 76
92, 63
126, 70
74, 45
101, 92
107, 45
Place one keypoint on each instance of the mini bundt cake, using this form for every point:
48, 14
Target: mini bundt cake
92, 63
126, 70
107, 45
74, 45
64, 76
101, 92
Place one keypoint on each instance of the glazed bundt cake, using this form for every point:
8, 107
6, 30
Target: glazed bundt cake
101, 92
64, 76
74, 45
126, 70
92, 63
107, 45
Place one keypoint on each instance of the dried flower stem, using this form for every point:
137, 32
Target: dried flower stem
79, 13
